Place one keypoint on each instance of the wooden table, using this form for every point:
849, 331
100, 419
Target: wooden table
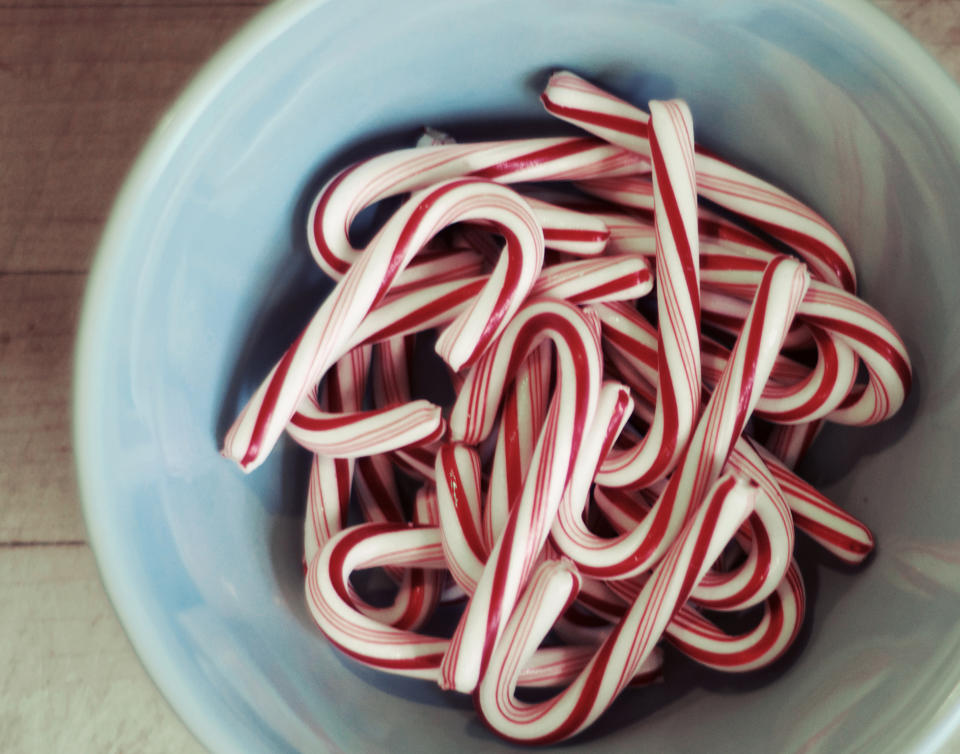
81, 86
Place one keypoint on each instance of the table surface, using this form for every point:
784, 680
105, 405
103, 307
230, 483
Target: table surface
81, 86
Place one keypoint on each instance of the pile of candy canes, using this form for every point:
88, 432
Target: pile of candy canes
595, 464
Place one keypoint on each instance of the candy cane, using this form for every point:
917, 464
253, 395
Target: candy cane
624, 650
678, 301
591, 281
775, 632
460, 511
330, 600
366, 182
572, 99
794, 393
395, 650
507, 568
364, 433
722, 421
767, 537
812, 512
330, 480
819, 517
768, 540
259, 425
523, 414
849, 319
701, 639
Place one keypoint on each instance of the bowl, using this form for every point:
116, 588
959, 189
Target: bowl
203, 277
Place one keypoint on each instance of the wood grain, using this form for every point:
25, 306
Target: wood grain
80, 89
36, 344
81, 86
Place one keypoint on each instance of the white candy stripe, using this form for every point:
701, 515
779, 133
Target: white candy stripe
571, 409
366, 182
328, 334
626, 647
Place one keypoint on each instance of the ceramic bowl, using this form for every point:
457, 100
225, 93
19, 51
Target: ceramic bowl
203, 277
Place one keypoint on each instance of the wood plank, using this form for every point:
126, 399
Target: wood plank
38, 498
935, 23
81, 87
69, 679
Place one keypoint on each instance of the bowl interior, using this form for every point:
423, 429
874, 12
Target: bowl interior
204, 278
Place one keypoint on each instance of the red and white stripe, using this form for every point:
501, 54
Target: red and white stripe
572, 406
333, 605
722, 421
574, 413
521, 160
571, 98
327, 336
330, 480
678, 302
818, 516
626, 647
767, 537
847, 319
703, 641
524, 411
593, 281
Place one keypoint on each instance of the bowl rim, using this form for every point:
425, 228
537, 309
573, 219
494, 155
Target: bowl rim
939, 91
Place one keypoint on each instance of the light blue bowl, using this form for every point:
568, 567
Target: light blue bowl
203, 277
